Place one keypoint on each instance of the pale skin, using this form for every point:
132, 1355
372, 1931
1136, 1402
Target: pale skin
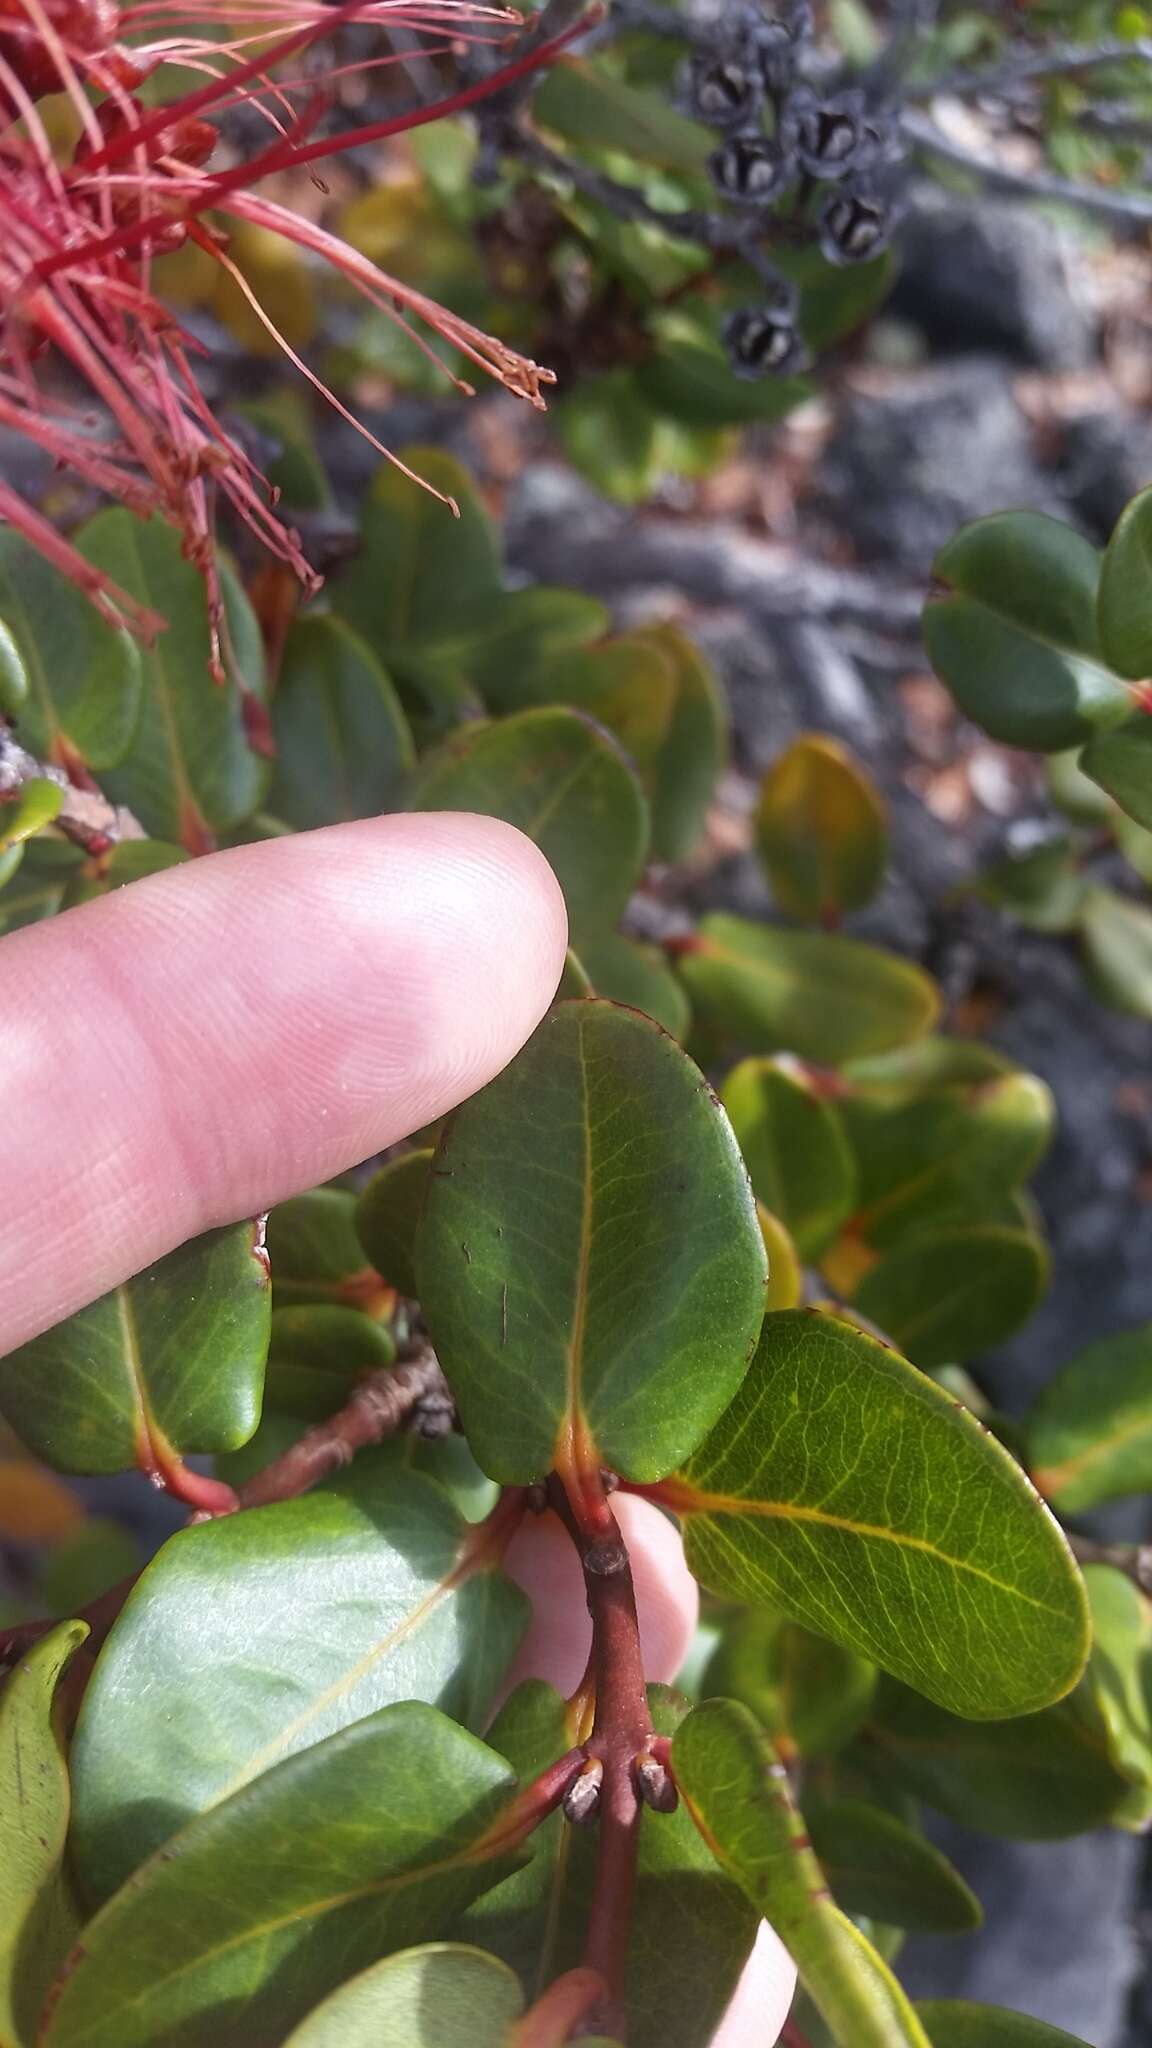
217, 1038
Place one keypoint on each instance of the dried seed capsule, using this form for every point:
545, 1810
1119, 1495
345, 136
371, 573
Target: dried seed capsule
582, 1799
722, 92
749, 169
853, 228
829, 136
762, 341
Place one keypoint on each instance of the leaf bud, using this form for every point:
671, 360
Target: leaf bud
582, 1799
655, 1785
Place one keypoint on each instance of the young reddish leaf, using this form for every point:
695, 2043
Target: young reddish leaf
38, 1917
822, 830
589, 1257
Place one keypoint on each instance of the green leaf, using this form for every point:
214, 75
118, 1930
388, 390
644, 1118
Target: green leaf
945, 1294
610, 433
438, 1996
878, 1866
1089, 1436
927, 1551
95, 1557
626, 684
365, 1844
637, 975
785, 1275
1124, 604
826, 998
1120, 762
316, 1254
80, 693
1117, 939
1121, 1674
935, 1062
822, 830
688, 377
588, 105
563, 780
1073, 792
38, 1919
419, 571
737, 1792
36, 805
952, 2023
1040, 1777
44, 874
518, 637
1043, 889
343, 748
810, 1693
171, 1362
128, 862
589, 1259
1014, 633
694, 752
795, 1149
203, 1684
388, 1216
190, 770
317, 1353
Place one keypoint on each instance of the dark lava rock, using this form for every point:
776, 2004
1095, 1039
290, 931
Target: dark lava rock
978, 274
1106, 458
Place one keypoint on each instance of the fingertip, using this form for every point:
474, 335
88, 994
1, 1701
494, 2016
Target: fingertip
763, 1997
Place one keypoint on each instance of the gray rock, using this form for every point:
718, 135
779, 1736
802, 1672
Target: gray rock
988, 275
1105, 460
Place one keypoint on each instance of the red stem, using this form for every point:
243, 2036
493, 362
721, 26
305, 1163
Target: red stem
550, 2021
377, 1408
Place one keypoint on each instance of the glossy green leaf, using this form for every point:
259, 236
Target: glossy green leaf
590, 106
438, 1996
343, 748
253, 1637
589, 1257
388, 1216
821, 829
1121, 1675
316, 1254
317, 1353
1089, 1436
516, 640
794, 1147
953, 2023
80, 693
947, 1157
926, 1551
1120, 762
563, 780
1124, 604
878, 1866
626, 684
810, 1693
38, 1919
37, 804
365, 1844
1013, 632
629, 972
694, 751
688, 377
189, 770
1117, 937
419, 571
172, 1361
785, 1273
691, 1928
930, 1063
824, 997
737, 1792
131, 861
947, 1294
1040, 1777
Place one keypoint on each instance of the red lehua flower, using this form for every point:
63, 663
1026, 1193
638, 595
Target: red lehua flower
79, 238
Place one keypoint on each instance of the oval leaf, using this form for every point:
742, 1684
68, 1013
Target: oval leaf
316, 1255
317, 1354
73, 680
201, 1686
590, 1262
822, 830
38, 1919
398, 593
388, 1217
1117, 937
810, 1693
1124, 605
1120, 761
170, 1363
826, 998
960, 1582
953, 2023
1089, 1437
564, 782
795, 1149
879, 1867
690, 761
343, 748
638, 976
1014, 633
947, 1294
367, 1843
785, 1273
438, 1996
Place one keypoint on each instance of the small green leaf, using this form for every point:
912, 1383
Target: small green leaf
172, 1361
1121, 1674
952, 2023
688, 378
928, 1552
694, 752
1117, 939
826, 998
626, 684
343, 748
638, 976
1089, 1436
794, 1147
589, 1257
38, 1918
1014, 633
822, 830
1120, 762
1072, 790
945, 1294
316, 1254
1124, 605
419, 571
517, 639
931, 1063
388, 1216
438, 1996
563, 780
879, 1867
317, 1353
810, 1693
72, 680
367, 1843
736, 1790
610, 433
202, 1686
1043, 889
785, 1274
95, 1557
588, 105
37, 804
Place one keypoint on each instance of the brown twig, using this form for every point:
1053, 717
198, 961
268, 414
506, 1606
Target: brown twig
85, 817
379, 1407
1133, 1559
572, 1998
